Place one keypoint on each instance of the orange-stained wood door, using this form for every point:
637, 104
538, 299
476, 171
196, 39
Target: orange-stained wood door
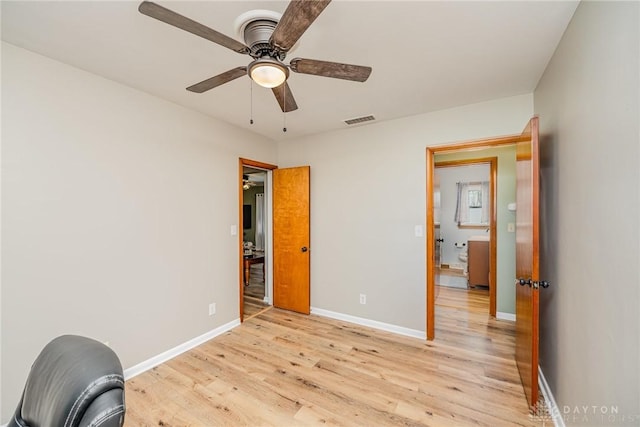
291, 243
527, 260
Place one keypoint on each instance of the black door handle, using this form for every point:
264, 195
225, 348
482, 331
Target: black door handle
523, 282
533, 284
304, 249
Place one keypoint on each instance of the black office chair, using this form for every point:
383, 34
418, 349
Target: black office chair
74, 382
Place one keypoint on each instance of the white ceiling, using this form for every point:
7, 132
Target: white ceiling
426, 55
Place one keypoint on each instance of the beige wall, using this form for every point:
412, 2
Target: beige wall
506, 249
116, 217
587, 100
368, 190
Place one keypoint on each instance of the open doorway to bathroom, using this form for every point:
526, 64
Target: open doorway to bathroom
464, 212
500, 154
464, 199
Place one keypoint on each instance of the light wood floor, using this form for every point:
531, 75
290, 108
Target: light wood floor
253, 306
254, 293
256, 282
283, 369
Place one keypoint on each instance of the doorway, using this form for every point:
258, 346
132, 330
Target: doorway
472, 152
285, 258
256, 295
464, 214
255, 237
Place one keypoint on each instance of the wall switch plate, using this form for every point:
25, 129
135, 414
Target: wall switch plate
511, 227
418, 231
212, 309
234, 230
363, 299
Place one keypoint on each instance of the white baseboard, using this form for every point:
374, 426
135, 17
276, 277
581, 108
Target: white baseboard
505, 316
400, 330
175, 351
549, 400
170, 354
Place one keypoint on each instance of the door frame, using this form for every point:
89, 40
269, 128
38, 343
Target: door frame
493, 196
470, 145
242, 162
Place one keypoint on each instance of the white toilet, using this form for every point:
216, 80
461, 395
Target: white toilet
462, 256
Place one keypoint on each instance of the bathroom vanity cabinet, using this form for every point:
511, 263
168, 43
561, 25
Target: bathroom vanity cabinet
478, 262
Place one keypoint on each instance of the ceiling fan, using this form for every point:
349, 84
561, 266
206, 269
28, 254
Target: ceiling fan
249, 181
268, 41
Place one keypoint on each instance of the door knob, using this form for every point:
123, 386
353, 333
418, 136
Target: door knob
304, 249
542, 284
534, 284
523, 282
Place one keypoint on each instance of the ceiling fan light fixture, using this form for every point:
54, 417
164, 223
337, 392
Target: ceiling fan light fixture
268, 37
268, 73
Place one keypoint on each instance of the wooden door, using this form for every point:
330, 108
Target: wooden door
291, 243
527, 260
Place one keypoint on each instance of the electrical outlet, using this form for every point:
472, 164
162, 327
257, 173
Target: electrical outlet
363, 299
212, 309
511, 227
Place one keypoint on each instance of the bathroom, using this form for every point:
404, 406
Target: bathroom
462, 210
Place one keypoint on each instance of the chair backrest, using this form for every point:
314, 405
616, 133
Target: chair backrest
74, 382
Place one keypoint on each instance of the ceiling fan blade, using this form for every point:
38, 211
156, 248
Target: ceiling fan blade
172, 18
336, 70
285, 98
218, 80
295, 20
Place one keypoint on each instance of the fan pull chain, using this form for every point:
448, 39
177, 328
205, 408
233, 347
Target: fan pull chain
284, 110
251, 101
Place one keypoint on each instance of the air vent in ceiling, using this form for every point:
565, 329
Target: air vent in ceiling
359, 120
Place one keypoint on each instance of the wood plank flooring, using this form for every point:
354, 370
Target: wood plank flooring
285, 369
254, 293
253, 306
256, 282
